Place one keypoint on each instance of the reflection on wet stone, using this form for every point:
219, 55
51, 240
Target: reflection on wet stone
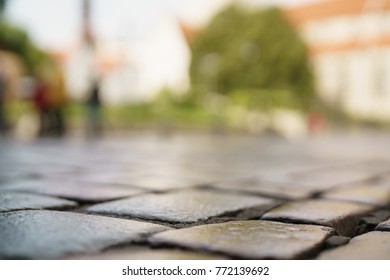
384, 225
249, 239
182, 206
43, 234
342, 216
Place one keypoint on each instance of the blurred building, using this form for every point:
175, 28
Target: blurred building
134, 71
349, 43
129, 71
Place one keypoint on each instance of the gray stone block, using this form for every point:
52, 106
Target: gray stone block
249, 239
11, 201
43, 234
370, 246
182, 206
342, 216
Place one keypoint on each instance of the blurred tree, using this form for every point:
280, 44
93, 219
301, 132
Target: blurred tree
253, 53
16, 40
2, 5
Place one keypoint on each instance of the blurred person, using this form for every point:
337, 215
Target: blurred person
56, 99
316, 123
41, 104
94, 105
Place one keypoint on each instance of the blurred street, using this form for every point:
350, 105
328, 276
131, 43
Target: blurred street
196, 196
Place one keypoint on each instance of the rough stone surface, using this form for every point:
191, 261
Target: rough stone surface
384, 225
181, 206
249, 239
277, 190
374, 218
141, 253
11, 201
367, 193
79, 191
342, 216
370, 246
43, 234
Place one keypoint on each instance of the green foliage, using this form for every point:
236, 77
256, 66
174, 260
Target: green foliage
16, 40
2, 5
252, 52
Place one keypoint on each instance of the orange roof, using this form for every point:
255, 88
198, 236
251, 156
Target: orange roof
188, 31
349, 45
331, 8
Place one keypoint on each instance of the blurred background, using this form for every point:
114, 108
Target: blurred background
291, 68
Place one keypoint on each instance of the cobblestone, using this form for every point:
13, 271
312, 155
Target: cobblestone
342, 216
73, 190
11, 201
331, 177
249, 239
272, 189
377, 195
370, 246
195, 196
43, 234
384, 225
182, 206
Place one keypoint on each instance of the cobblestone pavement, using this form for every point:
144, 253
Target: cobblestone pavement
196, 196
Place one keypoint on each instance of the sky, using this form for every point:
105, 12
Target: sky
56, 24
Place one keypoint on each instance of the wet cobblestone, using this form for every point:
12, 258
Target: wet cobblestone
11, 201
249, 239
195, 196
370, 246
342, 216
73, 190
384, 225
182, 206
378, 195
43, 234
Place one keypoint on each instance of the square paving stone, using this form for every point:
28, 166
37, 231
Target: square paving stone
341, 215
326, 178
44, 234
384, 225
373, 245
73, 190
11, 201
365, 193
273, 189
249, 239
182, 206
142, 253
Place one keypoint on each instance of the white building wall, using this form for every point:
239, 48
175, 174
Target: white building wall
346, 28
357, 80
